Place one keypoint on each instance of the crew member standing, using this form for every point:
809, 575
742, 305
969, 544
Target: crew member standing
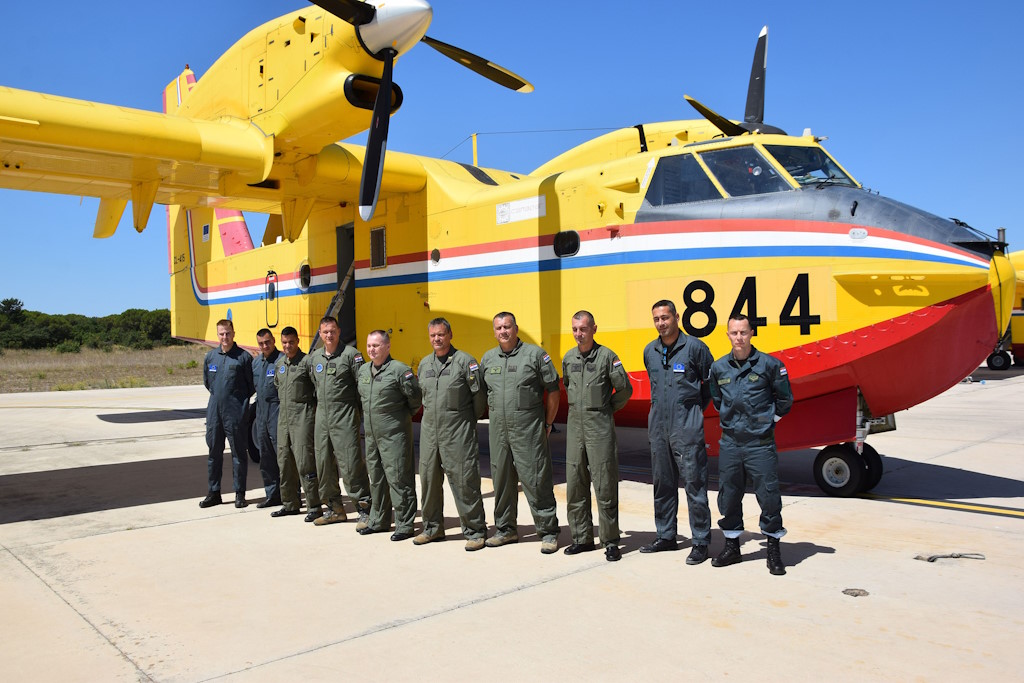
597, 386
751, 392
391, 396
334, 368
264, 426
517, 375
295, 455
678, 367
227, 375
453, 400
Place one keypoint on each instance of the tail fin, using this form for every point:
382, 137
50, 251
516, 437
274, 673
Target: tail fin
177, 90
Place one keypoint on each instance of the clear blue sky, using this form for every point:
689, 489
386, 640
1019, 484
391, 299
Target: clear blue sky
920, 101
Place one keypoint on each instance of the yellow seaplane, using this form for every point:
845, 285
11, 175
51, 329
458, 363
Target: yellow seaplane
873, 305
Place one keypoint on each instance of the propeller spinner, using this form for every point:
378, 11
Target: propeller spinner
387, 30
753, 118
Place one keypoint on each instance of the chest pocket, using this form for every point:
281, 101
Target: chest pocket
528, 398
595, 393
453, 395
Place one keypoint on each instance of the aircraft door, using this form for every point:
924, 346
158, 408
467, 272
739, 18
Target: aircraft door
270, 299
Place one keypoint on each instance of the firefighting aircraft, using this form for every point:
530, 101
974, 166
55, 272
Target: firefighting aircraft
859, 294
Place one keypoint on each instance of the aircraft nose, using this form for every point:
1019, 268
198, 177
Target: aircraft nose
398, 24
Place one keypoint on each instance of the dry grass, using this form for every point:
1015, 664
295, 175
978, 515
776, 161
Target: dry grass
24, 370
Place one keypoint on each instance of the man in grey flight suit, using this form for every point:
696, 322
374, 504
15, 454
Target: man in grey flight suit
391, 396
751, 392
678, 367
597, 386
295, 455
453, 400
264, 426
227, 374
517, 375
334, 368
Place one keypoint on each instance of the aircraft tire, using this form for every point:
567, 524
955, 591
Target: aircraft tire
1000, 360
873, 467
839, 470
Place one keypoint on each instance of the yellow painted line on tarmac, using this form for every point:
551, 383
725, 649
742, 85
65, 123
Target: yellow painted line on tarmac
951, 505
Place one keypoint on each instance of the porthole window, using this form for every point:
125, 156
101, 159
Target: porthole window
435, 255
305, 276
567, 243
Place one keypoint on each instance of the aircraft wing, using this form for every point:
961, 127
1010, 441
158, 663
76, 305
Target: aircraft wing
75, 147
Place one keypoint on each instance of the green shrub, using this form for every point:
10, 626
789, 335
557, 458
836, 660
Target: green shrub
68, 346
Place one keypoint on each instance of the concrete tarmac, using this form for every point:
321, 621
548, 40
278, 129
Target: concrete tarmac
111, 571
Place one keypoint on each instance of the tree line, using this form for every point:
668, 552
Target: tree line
135, 328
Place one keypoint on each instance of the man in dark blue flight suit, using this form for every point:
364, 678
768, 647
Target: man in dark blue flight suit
267, 408
678, 367
227, 374
751, 392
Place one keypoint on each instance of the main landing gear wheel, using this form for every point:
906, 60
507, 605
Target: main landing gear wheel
1000, 360
840, 471
873, 467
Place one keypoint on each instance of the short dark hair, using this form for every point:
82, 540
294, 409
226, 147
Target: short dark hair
580, 315
226, 323
665, 302
440, 321
383, 334
263, 332
505, 314
329, 320
289, 332
739, 317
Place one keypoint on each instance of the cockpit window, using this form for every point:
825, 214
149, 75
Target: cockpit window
679, 179
743, 171
810, 165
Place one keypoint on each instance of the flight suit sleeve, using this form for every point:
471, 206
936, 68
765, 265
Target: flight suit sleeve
716, 391
206, 373
548, 374
249, 385
783, 393
411, 390
704, 363
620, 382
474, 380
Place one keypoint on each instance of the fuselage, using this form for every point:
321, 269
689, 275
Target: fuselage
857, 293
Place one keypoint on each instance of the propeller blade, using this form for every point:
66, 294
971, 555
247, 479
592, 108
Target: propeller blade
755, 91
720, 122
376, 142
488, 70
350, 11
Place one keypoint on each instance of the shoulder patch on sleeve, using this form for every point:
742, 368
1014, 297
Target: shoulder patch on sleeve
783, 370
473, 367
358, 358
547, 358
408, 374
616, 363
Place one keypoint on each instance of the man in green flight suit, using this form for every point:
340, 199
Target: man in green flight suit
453, 400
334, 368
391, 396
517, 375
597, 386
295, 422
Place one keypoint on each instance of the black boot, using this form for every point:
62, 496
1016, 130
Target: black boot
775, 565
730, 554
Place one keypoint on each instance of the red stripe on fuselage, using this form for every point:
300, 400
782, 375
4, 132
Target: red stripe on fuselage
896, 364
